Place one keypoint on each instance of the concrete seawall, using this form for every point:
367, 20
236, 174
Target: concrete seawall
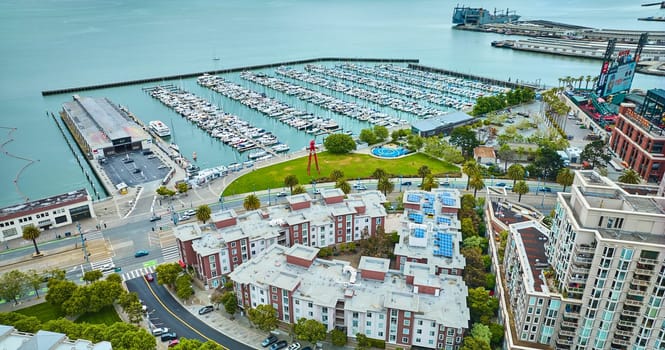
511, 85
222, 71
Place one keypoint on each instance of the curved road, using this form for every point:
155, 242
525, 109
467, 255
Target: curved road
165, 311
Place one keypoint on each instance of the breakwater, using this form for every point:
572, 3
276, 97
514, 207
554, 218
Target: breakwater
508, 84
223, 71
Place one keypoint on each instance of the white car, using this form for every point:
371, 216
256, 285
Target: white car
294, 346
107, 267
190, 212
159, 331
359, 187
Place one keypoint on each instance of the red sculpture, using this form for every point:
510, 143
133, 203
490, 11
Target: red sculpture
312, 152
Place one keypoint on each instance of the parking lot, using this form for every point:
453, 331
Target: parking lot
134, 168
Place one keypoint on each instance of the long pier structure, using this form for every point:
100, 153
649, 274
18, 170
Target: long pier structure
223, 71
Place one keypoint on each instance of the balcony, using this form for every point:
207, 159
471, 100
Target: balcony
579, 278
585, 248
566, 333
624, 323
633, 302
621, 342
630, 313
568, 324
623, 333
643, 272
571, 314
564, 341
639, 282
584, 270
582, 260
648, 261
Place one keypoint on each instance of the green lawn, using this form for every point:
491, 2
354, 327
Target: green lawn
44, 312
106, 316
353, 165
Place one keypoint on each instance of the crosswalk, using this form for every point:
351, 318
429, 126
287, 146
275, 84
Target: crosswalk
105, 265
171, 254
93, 236
137, 273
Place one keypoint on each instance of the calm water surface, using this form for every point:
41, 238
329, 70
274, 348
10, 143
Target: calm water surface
55, 44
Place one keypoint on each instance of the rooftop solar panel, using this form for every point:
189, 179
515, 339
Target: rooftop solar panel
448, 201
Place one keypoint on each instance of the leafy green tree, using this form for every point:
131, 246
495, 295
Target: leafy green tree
290, 181
183, 286
102, 294
21, 322
299, 189
385, 185
497, 334
203, 213
251, 202
475, 241
471, 343
565, 178
131, 306
476, 183
78, 303
263, 316
481, 332
380, 132
164, 191
506, 154
182, 187
167, 273
464, 138
521, 188
339, 143
424, 171
482, 306
338, 337
60, 291
310, 330
516, 172
414, 142
468, 228
596, 153
343, 185
490, 279
547, 163
13, 285
91, 276
474, 271
34, 281
336, 175
31, 233
114, 277
227, 299
368, 136
195, 344
630, 176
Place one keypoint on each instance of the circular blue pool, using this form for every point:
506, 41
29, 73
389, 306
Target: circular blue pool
389, 151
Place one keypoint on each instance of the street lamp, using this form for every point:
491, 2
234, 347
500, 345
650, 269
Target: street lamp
85, 251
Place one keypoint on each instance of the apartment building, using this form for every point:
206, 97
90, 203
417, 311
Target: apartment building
430, 231
46, 213
237, 238
11, 339
414, 307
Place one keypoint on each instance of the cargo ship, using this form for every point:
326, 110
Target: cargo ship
479, 16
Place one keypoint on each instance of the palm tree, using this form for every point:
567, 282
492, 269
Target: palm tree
476, 183
560, 80
594, 80
31, 232
290, 180
379, 173
588, 80
516, 172
203, 213
565, 178
521, 188
423, 171
470, 168
336, 175
429, 183
385, 185
343, 185
629, 176
580, 80
251, 202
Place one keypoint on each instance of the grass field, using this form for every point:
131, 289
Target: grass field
46, 312
106, 316
353, 165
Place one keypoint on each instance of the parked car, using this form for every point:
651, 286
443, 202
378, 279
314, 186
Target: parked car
169, 336
149, 277
444, 183
185, 217
190, 212
160, 331
173, 343
359, 187
294, 346
282, 194
206, 309
545, 189
279, 345
500, 184
155, 218
141, 253
128, 160
407, 183
271, 339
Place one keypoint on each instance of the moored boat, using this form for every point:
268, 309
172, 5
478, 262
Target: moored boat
159, 128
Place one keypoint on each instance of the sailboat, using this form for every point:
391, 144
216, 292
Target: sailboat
173, 145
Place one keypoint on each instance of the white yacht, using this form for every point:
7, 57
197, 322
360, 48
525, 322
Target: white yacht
159, 128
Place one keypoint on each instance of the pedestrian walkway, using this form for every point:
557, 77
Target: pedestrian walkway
104, 265
137, 273
171, 254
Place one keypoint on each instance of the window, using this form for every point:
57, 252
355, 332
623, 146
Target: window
405, 331
297, 302
274, 289
405, 340
407, 322
407, 314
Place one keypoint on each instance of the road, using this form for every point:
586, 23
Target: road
165, 311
